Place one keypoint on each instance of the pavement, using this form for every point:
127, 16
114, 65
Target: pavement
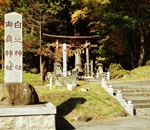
119, 123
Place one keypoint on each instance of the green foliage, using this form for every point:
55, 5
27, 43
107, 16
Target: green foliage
31, 40
103, 51
116, 20
115, 67
117, 71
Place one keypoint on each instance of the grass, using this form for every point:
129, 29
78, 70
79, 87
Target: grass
1, 75
95, 103
33, 79
140, 73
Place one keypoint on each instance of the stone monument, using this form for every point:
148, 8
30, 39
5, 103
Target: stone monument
19, 103
13, 48
14, 92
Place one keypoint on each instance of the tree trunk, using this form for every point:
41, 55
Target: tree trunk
130, 50
43, 70
41, 67
142, 47
134, 63
78, 63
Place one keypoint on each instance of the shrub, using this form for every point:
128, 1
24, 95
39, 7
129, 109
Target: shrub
117, 71
34, 70
148, 62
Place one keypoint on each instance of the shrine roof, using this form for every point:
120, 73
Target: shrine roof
79, 38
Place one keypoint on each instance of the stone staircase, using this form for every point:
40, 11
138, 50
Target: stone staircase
138, 94
136, 91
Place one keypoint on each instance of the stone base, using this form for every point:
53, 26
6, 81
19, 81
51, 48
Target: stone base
13, 94
29, 117
65, 81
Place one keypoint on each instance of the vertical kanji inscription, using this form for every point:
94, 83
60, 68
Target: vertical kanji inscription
13, 47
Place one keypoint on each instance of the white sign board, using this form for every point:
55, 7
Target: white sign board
13, 47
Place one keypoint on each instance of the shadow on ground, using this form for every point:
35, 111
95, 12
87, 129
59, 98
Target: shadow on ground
64, 109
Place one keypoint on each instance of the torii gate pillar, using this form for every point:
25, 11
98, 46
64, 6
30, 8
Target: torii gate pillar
64, 60
87, 61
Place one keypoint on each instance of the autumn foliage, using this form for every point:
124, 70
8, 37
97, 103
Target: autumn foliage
3, 3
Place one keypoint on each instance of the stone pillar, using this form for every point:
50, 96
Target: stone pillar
64, 60
13, 48
108, 75
91, 63
119, 94
87, 61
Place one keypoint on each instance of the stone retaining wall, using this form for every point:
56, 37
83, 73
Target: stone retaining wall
30, 117
35, 122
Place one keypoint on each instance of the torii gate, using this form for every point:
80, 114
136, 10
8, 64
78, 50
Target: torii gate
77, 38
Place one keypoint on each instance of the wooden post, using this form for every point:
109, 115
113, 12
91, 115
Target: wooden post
87, 59
56, 62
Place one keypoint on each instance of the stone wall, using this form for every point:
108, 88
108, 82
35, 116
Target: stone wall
34, 122
28, 117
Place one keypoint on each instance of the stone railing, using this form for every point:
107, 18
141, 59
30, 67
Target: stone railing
29, 117
128, 106
105, 75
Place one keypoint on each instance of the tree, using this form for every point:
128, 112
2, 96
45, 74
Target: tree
36, 19
124, 25
3, 4
134, 21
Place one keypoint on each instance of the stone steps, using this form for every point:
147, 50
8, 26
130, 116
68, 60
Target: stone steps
142, 94
132, 90
136, 91
140, 97
142, 112
141, 105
